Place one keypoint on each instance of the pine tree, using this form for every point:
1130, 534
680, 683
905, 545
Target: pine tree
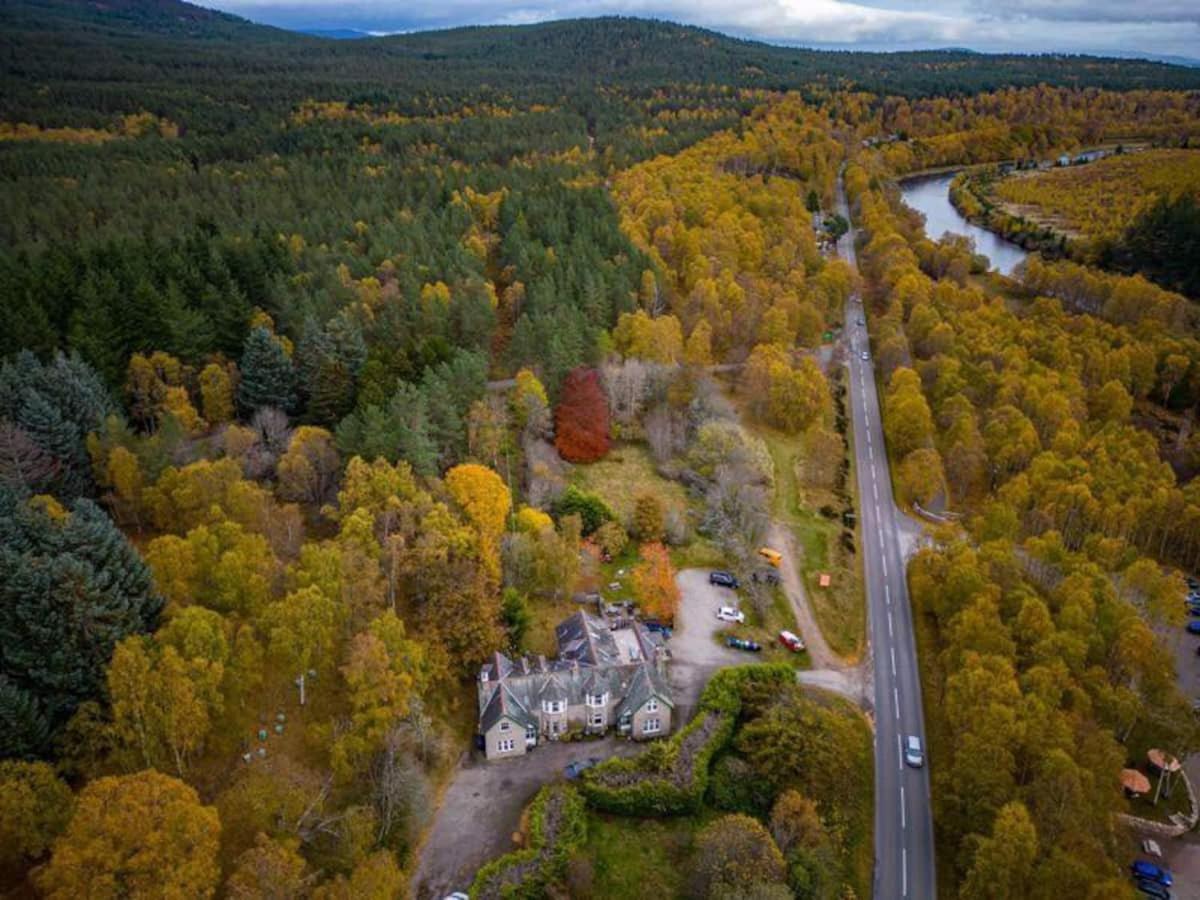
73, 588
268, 377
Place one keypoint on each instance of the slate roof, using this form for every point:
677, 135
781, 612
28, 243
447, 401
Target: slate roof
589, 662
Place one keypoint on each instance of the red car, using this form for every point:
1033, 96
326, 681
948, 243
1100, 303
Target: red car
791, 641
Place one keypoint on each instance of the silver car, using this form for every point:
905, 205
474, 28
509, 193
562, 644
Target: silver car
913, 754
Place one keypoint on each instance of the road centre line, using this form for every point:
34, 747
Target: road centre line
903, 817
896, 700
893, 652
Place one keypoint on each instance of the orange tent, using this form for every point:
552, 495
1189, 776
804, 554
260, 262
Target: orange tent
1134, 781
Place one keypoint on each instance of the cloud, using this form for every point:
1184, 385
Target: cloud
1148, 26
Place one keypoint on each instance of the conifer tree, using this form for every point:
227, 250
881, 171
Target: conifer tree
268, 376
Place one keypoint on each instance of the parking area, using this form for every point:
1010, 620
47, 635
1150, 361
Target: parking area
695, 656
482, 808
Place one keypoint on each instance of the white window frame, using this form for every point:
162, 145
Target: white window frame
504, 725
597, 699
531, 732
652, 705
647, 723
507, 745
554, 707
597, 720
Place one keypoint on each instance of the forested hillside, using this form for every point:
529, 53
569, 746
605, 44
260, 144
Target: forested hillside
302, 339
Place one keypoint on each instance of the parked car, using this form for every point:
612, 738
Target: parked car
738, 643
658, 627
729, 614
1193, 626
723, 579
1143, 868
1193, 582
791, 641
1148, 888
579, 766
457, 895
913, 754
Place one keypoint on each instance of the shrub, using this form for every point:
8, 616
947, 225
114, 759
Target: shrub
592, 511
557, 828
672, 776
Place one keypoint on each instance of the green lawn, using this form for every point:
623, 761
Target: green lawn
634, 858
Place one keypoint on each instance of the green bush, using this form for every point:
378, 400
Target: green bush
592, 511
672, 776
557, 828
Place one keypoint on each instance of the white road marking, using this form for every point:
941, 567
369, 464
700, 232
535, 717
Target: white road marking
892, 650
896, 698
867, 419
904, 870
880, 530
868, 440
899, 754
883, 559
874, 485
870, 451
889, 623
903, 817
887, 592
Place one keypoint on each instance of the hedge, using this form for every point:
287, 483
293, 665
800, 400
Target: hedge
671, 777
557, 828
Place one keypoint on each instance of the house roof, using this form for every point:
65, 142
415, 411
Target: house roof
504, 704
587, 640
645, 683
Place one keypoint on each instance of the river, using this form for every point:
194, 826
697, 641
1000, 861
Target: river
930, 195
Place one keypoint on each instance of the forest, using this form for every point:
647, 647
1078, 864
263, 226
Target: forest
312, 351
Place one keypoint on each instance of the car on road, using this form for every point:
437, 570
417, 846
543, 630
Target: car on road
862, 322
791, 641
457, 895
864, 356
723, 579
729, 614
1143, 868
574, 769
738, 643
1193, 626
913, 754
1148, 888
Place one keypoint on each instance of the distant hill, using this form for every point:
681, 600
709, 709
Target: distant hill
78, 62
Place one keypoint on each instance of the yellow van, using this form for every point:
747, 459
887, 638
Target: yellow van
774, 557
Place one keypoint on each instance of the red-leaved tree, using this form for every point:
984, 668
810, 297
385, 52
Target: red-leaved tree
581, 418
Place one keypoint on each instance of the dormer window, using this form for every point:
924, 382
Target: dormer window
597, 699
554, 706
504, 725
652, 705
483, 676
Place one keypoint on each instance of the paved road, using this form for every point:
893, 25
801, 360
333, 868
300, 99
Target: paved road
904, 853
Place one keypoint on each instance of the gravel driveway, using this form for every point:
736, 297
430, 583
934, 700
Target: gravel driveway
482, 808
695, 656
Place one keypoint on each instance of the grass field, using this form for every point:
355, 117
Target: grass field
624, 475
631, 859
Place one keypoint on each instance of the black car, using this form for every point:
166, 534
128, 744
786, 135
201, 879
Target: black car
658, 627
723, 579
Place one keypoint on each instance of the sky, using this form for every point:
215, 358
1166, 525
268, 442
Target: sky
1121, 27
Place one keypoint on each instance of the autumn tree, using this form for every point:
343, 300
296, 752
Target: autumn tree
486, 500
649, 517
1003, 865
35, 806
216, 393
733, 854
307, 472
581, 430
272, 869
143, 835
654, 581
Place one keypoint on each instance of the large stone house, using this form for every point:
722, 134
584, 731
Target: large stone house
601, 679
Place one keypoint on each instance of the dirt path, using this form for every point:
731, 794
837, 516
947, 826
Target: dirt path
780, 537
